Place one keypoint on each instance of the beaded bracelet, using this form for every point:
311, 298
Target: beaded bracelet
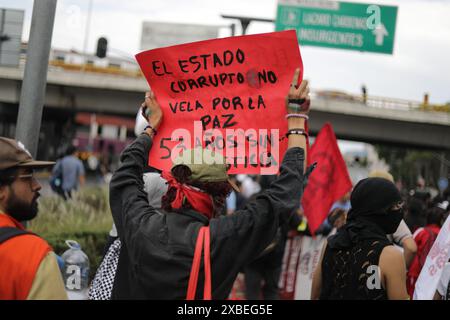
297, 131
297, 115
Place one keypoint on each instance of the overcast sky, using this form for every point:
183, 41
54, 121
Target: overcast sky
420, 62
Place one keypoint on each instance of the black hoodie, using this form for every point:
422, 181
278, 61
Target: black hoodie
158, 247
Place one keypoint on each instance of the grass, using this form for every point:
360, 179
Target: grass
86, 219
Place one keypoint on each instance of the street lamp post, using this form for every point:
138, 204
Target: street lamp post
32, 96
87, 29
245, 21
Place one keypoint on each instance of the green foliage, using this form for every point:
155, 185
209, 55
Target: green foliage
86, 219
408, 164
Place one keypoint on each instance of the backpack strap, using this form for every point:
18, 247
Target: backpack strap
203, 241
207, 258
7, 233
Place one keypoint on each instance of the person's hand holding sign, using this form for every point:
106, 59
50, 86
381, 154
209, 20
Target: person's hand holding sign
297, 103
151, 110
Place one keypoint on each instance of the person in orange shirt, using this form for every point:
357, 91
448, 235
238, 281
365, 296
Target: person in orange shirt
28, 265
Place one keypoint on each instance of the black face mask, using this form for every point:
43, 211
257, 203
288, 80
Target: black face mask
389, 221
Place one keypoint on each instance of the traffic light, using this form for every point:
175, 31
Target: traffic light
4, 37
102, 46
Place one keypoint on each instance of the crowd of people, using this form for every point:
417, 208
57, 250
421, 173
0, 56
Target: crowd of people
422, 218
187, 233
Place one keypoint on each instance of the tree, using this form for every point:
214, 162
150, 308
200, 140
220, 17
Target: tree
407, 164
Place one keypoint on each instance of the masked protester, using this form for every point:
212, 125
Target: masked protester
28, 265
402, 236
359, 262
160, 246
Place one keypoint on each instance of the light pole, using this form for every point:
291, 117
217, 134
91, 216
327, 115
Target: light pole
86, 33
88, 26
245, 21
32, 97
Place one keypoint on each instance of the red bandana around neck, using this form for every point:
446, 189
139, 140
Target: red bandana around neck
199, 200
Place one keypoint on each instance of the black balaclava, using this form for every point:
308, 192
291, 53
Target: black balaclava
370, 216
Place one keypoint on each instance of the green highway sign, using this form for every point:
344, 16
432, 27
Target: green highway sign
342, 25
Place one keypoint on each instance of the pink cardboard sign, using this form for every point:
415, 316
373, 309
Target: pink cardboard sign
224, 94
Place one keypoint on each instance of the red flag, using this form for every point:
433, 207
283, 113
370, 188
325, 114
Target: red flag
330, 180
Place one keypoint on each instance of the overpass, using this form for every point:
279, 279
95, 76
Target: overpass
379, 120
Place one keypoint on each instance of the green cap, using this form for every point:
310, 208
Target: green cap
205, 165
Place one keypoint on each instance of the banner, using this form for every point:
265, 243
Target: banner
309, 259
225, 94
329, 182
301, 257
434, 264
289, 267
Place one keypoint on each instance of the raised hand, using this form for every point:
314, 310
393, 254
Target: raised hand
298, 100
151, 110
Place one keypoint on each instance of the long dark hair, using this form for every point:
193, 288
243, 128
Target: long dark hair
435, 216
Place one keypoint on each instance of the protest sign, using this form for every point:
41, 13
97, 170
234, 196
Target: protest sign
289, 267
301, 257
224, 94
434, 264
309, 259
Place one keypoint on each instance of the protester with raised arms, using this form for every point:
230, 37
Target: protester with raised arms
158, 246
